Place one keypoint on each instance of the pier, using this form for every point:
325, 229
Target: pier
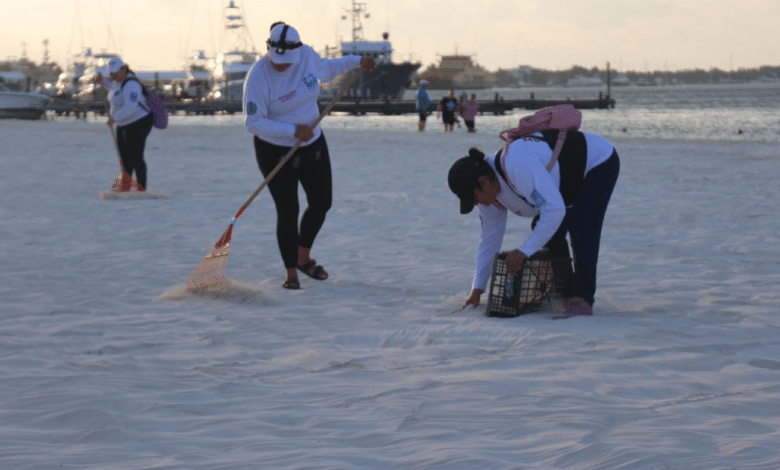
353, 107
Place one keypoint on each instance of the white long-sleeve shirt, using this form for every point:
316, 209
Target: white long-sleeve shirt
525, 166
127, 103
275, 102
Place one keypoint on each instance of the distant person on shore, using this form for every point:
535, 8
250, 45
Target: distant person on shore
571, 198
280, 104
133, 120
469, 110
422, 105
447, 107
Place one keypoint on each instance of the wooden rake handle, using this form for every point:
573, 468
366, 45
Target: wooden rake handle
295, 147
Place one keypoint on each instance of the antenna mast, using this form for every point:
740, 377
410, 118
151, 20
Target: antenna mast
357, 26
234, 22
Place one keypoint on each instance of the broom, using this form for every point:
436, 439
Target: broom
211, 271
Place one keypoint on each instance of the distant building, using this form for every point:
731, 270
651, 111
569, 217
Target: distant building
457, 71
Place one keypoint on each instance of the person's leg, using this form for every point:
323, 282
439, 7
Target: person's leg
126, 156
558, 246
284, 191
136, 134
585, 220
317, 182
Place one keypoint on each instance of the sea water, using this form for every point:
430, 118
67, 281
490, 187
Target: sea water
734, 112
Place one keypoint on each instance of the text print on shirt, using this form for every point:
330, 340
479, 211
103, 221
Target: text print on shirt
287, 97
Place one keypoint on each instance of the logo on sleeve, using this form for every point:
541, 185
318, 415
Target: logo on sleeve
539, 200
251, 108
133, 97
310, 81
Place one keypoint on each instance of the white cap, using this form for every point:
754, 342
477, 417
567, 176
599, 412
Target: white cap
115, 64
284, 44
423, 82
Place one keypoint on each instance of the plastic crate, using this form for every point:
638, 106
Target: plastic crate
540, 276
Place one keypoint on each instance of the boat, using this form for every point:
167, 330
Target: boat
457, 71
22, 105
582, 80
621, 80
68, 81
389, 80
199, 80
13, 79
231, 67
95, 64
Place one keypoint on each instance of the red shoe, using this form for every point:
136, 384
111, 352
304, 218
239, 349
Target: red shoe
123, 182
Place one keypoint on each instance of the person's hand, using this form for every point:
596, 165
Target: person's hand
303, 132
473, 298
98, 78
367, 63
111, 122
514, 261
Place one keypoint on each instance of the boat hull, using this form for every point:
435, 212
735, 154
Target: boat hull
19, 105
387, 81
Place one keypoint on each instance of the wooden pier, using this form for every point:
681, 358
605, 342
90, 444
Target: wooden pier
356, 108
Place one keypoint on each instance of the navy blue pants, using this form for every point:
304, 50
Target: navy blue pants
310, 165
583, 223
131, 140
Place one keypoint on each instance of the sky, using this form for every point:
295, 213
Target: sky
638, 35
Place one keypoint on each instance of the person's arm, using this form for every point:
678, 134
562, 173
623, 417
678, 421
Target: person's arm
332, 68
256, 101
493, 223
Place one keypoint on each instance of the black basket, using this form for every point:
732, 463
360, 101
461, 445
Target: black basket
539, 278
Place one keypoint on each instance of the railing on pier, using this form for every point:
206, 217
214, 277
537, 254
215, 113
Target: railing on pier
387, 108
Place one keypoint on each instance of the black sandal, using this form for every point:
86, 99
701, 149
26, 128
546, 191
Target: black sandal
292, 284
313, 270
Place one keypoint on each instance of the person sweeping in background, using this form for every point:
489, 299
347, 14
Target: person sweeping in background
280, 103
572, 197
130, 113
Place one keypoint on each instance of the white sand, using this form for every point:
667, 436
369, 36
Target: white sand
679, 369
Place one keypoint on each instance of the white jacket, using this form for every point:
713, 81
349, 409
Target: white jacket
127, 104
275, 102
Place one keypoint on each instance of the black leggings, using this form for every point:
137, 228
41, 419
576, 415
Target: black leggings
311, 166
131, 140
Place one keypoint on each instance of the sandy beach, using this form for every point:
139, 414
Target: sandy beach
102, 367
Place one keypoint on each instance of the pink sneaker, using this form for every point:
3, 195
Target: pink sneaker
576, 306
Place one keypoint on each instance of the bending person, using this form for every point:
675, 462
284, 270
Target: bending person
571, 198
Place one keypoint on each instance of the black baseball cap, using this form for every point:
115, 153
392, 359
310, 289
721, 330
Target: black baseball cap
464, 176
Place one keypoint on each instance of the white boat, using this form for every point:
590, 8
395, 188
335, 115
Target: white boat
68, 81
581, 80
95, 64
621, 80
229, 73
199, 80
22, 105
230, 68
